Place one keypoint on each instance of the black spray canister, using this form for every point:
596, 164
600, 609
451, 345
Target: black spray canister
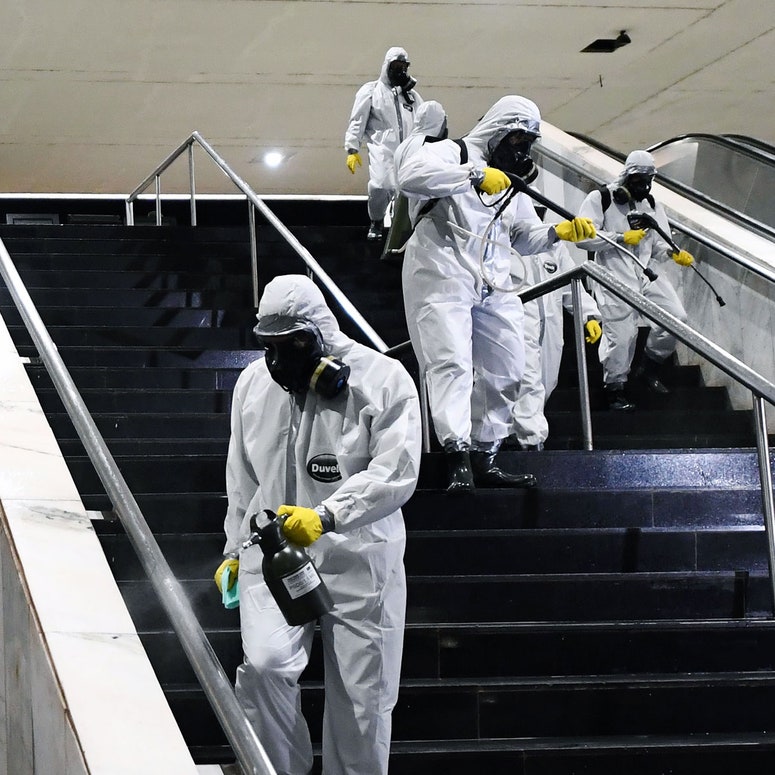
289, 573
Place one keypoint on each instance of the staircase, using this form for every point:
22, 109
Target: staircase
615, 619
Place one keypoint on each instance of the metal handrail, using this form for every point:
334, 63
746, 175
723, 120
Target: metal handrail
761, 388
204, 661
254, 202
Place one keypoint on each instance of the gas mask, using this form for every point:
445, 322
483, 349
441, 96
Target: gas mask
635, 187
512, 155
398, 75
297, 362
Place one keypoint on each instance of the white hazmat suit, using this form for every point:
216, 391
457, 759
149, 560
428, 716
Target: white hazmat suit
357, 455
467, 337
620, 321
383, 116
544, 341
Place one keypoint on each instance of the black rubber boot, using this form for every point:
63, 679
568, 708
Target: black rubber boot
375, 231
461, 479
648, 373
616, 397
487, 474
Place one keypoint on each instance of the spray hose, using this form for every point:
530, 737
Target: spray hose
638, 220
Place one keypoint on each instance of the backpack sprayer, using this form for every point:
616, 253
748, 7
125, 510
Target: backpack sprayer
638, 220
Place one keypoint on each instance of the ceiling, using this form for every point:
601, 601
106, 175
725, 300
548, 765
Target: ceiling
95, 93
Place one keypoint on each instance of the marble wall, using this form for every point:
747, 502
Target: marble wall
77, 693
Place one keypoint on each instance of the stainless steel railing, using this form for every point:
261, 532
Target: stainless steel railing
254, 203
208, 669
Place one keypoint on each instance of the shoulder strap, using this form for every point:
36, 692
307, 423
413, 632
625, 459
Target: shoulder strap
426, 208
605, 197
463, 151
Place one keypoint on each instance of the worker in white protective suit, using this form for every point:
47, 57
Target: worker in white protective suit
383, 115
608, 209
544, 340
466, 334
360, 424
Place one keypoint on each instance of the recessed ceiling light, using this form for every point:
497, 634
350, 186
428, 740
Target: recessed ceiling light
273, 159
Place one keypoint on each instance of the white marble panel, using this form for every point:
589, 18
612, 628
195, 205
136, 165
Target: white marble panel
14, 382
31, 465
65, 568
122, 717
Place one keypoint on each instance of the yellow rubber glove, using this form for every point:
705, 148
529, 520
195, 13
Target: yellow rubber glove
353, 161
494, 181
633, 236
301, 525
683, 257
232, 563
576, 230
594, 331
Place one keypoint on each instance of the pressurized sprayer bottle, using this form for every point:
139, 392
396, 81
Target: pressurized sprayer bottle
289, 573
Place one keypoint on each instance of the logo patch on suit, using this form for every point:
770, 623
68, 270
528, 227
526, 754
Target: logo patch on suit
324, 468
550, 267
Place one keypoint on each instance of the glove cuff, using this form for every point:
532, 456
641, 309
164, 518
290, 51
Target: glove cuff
326, 519
350, 152
476, 175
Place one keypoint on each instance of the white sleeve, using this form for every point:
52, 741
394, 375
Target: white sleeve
434, 171
359, 116
391, 476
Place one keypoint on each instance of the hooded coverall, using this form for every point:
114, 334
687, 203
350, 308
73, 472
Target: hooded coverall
358, 455
544, 341
467, 337
620, 321
383, 116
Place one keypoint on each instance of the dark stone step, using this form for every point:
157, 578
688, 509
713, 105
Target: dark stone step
146, 337
509, 551
133, 356
109, 280
727, 505
159, 377
550, 597
175, 426
462, 712
142, 401
537, 650
168, 317
135, 297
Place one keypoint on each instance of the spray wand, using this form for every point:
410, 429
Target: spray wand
520, 185
638, 220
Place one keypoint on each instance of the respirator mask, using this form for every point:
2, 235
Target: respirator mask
296, 359
512, 155
635, 187
398, 75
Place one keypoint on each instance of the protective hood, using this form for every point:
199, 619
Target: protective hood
291, 300
637, 163
429, 119
396, 52
507, 115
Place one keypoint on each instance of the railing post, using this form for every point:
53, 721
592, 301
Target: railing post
765, 476
191, 182
581, 364
130, 212
425, 415
158, 200
253, 250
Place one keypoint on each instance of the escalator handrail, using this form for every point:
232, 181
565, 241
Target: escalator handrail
727, 141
